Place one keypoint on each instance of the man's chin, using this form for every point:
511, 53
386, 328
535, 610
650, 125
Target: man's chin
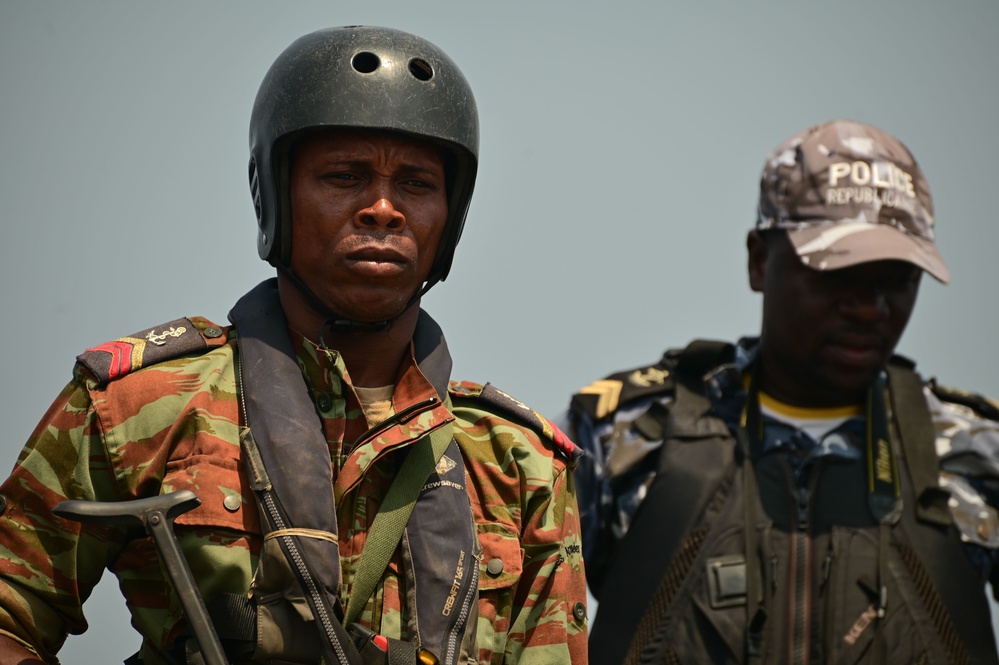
850, 384
372, 312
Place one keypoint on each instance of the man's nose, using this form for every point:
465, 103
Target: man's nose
866, 302
381, 213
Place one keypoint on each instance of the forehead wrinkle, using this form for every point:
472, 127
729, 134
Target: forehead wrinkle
411, 158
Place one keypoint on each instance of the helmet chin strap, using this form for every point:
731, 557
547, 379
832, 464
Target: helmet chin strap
337, 323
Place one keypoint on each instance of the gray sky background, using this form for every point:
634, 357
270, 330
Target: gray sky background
621, 148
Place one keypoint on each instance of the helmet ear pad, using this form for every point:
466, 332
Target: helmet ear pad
279, 223
459, 172
272, 203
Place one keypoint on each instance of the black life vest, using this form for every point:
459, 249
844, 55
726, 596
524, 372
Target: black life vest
298, 574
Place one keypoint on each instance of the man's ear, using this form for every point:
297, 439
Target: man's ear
756, 246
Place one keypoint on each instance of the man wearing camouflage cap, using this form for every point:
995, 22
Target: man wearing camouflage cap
356, 505
801, 496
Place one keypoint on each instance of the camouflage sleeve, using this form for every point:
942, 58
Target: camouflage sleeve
170, 425
592, 488
532, 586
613, 476
967, 440
48, 566
548, 625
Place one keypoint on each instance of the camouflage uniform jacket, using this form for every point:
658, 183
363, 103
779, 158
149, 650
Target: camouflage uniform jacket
614, 476
154, 424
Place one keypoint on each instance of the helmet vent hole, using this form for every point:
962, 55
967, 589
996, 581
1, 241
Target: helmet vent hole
366, 62
421, 69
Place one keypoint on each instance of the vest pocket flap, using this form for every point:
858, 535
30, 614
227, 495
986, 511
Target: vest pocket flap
502, 559
226, 500
916, 624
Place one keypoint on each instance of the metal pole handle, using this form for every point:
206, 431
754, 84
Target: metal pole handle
156, 515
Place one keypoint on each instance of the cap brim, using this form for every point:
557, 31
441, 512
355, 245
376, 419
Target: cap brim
841, 245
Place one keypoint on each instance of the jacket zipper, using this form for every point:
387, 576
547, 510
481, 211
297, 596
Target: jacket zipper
801, 593
455, 631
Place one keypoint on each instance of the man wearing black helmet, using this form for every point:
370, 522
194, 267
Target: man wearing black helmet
322, 414
801, 496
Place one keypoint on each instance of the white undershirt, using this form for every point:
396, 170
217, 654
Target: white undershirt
815, 422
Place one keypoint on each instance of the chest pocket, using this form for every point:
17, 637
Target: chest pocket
227, 501
850, 603
500, 569
220, 540
710, 605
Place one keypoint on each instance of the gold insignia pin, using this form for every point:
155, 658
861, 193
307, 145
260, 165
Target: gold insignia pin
652, 376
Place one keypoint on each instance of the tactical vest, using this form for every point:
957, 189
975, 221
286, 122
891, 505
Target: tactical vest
826, 581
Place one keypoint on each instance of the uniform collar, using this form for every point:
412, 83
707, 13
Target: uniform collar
425, 372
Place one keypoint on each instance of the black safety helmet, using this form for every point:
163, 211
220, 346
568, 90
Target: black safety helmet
360, 77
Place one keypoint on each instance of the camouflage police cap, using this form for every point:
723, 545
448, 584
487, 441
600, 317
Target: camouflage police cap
849, 193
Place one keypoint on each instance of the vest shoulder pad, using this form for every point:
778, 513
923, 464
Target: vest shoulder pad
602, 398
497, 401
980, 404
117, 358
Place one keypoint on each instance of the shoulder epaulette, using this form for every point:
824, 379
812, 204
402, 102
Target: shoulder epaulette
985, 406
502, 403
601, 398
114, 359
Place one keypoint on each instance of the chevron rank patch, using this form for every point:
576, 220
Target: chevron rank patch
602, 398
608, 396
114, 359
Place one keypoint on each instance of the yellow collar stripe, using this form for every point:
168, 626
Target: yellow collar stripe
811, 413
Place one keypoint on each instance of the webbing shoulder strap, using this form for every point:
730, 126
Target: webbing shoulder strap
915, 425
954, 583
390, 521
696, 457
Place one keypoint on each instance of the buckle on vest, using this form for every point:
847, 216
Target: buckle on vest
727, 580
